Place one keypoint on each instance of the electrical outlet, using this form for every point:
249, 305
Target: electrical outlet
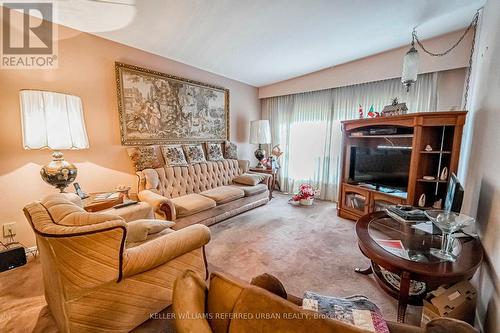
9, 229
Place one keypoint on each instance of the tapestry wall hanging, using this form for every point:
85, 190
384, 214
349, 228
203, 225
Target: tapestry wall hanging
157, 108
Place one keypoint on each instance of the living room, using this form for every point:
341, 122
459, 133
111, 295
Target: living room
259, 145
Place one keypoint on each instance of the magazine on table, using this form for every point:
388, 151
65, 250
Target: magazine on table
394, 246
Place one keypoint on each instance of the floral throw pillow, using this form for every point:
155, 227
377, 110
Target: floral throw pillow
194, 153
230, 151
174, 155
145, 157
214, 152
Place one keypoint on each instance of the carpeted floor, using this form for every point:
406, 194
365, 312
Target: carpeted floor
307, 248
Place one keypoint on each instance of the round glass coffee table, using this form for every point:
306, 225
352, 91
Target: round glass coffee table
401, 260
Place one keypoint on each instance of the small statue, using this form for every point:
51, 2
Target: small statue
421, 200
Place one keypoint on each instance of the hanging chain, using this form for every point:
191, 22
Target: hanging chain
469, 71
473, 26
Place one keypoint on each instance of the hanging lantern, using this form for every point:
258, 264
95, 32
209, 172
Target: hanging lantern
410, 67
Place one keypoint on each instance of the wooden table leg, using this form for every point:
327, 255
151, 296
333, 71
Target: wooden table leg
366, 271
404, 294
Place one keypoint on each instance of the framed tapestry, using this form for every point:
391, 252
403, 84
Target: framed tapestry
157, 108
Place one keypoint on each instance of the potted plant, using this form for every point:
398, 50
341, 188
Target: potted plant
305, 196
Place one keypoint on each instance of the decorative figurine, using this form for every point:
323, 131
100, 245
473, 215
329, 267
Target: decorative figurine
395, 109
428, 148
437, 204
360, 111
421, 200
444, 174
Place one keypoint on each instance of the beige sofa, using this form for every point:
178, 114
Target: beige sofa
93, 280
200, 193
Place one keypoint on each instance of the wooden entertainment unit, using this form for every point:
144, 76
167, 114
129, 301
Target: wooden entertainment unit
411, 132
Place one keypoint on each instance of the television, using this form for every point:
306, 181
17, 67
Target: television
384, 167
454, 195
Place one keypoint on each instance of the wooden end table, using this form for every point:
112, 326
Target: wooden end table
273, 173
140, 210
404, 274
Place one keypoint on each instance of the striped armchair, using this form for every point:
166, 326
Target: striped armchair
93, 282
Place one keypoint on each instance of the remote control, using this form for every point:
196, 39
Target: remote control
125, 204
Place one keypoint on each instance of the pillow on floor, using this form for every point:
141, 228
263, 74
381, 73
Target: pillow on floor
249, 179
138, 231
355, 310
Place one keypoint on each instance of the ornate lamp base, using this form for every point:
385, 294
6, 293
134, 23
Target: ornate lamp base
259, 155
59, 173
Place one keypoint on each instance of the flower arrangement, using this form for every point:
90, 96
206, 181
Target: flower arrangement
305, 196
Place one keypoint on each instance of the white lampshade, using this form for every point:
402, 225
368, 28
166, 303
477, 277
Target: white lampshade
260, 132
52, 120
410, 68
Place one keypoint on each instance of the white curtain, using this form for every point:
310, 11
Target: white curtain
52, 120
307, 126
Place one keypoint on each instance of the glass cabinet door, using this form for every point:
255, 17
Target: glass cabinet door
355, 200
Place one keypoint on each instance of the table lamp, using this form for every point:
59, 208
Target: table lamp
55, 121
260, 134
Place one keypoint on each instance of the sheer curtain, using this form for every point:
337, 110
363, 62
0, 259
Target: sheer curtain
307, 126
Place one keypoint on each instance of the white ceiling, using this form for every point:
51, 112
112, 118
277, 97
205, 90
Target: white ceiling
260, 42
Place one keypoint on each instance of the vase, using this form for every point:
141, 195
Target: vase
448, 222
306, 202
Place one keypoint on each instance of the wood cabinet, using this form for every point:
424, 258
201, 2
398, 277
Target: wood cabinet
414, 132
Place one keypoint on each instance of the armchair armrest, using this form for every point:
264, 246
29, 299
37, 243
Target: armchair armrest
160, 204
160, 250
188, 303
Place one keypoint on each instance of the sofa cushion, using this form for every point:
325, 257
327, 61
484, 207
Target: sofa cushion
191, 204
145, 157
194, 153
251, 190
249, 179
174, 155
214, 152
230, 151
223, 194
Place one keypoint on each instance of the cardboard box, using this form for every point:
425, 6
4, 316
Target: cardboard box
457, 301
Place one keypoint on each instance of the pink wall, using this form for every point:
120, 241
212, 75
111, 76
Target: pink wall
86, 69
381, 66
450, 89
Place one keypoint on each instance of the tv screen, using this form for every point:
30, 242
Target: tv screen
385, 167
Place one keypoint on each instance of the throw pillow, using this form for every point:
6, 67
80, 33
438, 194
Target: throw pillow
194, 153
214, 152
354, 310
230, 151
249, 179
145, 157
174, 155
138, 231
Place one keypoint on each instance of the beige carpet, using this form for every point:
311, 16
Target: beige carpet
308, 248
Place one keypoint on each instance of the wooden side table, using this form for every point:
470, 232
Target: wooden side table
273, 173
140, 210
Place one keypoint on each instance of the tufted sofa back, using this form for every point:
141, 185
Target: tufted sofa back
172, 182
